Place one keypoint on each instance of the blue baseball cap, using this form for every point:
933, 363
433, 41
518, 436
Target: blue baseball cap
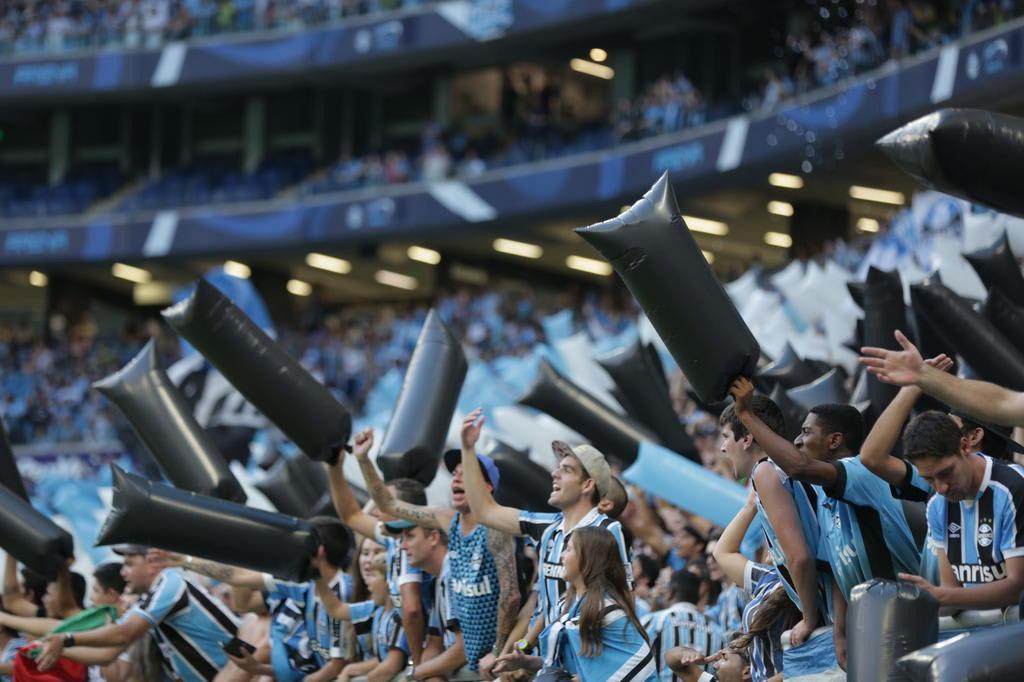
453, 458
398, 525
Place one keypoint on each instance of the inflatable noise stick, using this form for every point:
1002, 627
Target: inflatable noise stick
157, 515
884, 313
828, 388
645, 392
612, 433
982, 655
414, 442
9, 474
969, 153
1007, 317
31, 538
997, 267
524, 483
970, 335
273, 381
656, 256
891, 619
154, 407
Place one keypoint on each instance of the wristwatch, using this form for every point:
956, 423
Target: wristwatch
69, 640
523, 646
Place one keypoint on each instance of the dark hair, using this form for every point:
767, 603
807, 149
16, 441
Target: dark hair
34, 585
684, 586
931, 434
845, 420
602, 572
109, 577
618, 497
776, 607
335, 537
78, 589
763, 407
991, 443
409, 490
649, 568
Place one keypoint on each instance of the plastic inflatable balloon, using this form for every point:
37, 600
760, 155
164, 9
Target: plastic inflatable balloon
828, 388
32, 538
10, 477
997, 266
274, 382
644, 390
1007, 317
968, 153
524, 483
657, 257
164, 422
610, 432
157, 515
856, 290
884, 313
288, 490
889, 620
793, 412
414, 441
986, 655
971, 335
789, 371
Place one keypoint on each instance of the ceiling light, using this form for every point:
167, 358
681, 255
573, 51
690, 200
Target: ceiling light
883, 196
786, 180
782, 208
236, 269
706, 226
780, 239
468, 274
708, 256
328, 263
38, 279
131, 273
868, 225
394, 279
153, 293
514, 248
591, 265
592, 69
423, 255
296, 287
598, 55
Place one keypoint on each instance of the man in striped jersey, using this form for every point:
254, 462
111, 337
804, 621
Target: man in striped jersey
323, 633
189, 626
682, 624
578, 484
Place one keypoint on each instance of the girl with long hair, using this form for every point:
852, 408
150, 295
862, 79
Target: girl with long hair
598, 636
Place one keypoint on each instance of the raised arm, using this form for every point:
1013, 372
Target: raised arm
232, 575
782, 515
980, 399
727, 549
344, 501
64, 601
14, 601
117, 635
881, 440
795, 463
429, 517
486, 510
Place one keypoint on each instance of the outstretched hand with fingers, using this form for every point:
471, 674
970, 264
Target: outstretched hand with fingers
899, 367
471, 427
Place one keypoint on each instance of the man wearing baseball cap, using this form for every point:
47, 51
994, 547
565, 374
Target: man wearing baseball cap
578, 485
484, 593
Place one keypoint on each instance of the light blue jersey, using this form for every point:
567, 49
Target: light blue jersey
9, 653
379, 629
864, 528
475, 589
324, 633
442, 621
760, 581
400, 571
290, 655
189, 626
625, 651
728, 610
681, 624
805, 499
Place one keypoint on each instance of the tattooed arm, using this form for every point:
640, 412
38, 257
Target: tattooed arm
236, 577
502, 548
428, 517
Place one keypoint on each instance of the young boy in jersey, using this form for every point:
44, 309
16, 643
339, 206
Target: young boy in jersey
682, 624
975, 519
485, 594
787, 510
578, 485
376, 617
